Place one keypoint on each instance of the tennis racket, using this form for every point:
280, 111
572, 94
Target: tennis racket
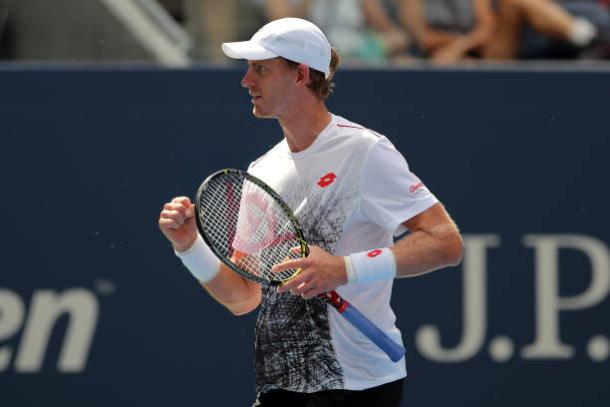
251, 229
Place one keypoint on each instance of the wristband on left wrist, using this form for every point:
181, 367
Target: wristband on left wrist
370, 265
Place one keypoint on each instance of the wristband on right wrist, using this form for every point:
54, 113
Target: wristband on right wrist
200, 260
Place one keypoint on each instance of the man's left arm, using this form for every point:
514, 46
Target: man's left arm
434, 242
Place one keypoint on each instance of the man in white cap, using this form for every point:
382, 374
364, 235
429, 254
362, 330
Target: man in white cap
360, 192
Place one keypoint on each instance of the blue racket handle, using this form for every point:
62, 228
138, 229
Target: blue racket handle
376, 335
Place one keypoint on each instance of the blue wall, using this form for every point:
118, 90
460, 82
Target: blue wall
88, 157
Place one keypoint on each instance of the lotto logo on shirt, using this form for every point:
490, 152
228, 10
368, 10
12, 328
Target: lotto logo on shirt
327, 179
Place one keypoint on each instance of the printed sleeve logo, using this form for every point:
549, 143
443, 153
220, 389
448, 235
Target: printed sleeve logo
327, 179
415, 187
374, 253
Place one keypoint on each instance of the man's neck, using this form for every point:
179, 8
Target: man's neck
303, 127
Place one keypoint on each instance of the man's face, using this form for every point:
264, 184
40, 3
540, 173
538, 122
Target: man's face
270, 83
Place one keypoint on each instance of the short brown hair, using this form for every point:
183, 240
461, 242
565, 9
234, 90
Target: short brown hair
322, 87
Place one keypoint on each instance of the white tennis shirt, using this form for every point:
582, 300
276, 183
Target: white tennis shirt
357, 190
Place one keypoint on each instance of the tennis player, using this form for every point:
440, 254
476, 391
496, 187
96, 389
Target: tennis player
354, 192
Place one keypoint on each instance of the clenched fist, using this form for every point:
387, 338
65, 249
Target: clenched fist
177, 222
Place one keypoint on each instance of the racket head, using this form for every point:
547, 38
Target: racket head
248, 225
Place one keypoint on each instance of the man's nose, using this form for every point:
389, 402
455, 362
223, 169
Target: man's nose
247, 81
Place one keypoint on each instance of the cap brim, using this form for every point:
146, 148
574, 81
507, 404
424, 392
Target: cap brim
247, 50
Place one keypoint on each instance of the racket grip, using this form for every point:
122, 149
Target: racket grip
376, 335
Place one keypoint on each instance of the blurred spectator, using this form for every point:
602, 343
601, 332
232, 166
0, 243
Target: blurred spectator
212, 22
451, 30
448, 30
361, 30
594, 11
547, 29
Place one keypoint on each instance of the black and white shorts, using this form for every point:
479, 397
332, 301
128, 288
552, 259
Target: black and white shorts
386, 395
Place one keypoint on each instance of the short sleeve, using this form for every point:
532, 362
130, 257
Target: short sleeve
390, 193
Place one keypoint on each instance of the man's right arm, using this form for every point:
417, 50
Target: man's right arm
237, 294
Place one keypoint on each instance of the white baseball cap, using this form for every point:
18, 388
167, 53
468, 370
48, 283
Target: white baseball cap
295, 39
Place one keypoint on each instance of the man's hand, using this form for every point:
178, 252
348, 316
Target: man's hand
320, 272
177, 222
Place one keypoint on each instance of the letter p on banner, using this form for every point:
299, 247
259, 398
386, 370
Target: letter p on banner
548, 302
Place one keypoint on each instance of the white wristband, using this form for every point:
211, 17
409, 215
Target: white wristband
371, 265
200, 260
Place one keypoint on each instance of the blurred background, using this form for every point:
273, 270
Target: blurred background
108, 108
366, 32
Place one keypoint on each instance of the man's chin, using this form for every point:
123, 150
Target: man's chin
262, 115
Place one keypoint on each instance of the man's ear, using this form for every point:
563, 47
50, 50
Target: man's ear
303, 74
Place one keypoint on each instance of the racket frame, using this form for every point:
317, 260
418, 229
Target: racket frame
299, 236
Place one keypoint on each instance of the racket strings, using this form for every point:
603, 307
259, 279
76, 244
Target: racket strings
248, 227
